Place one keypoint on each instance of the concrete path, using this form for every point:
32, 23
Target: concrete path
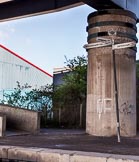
76, 140
64, 145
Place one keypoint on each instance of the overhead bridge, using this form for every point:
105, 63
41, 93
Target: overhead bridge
13, 9
111, 59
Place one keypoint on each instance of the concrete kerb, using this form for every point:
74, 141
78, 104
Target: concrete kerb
4, 151
55, 155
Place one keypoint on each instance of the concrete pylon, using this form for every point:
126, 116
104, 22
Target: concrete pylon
120, 26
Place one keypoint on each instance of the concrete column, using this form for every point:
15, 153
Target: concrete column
2, 125
119, 25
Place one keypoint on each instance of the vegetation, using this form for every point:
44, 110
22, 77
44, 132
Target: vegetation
33, 99
69, 96
137, 69
72, 93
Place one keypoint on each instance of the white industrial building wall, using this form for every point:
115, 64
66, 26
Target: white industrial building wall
13, 69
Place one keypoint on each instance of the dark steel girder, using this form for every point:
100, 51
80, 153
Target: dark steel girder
101, 4
23, 8
14, 9
131, 5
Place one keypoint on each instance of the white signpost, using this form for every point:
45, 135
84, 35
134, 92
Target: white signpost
97, 44
108, 42
123, 45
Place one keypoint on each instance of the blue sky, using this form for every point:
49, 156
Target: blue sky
45, 39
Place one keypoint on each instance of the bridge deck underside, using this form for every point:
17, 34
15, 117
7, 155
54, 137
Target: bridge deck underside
13, 9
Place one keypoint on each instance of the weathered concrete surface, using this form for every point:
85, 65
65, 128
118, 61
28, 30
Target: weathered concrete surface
53, 155
2, 125
21, 119
74, 140
101, 111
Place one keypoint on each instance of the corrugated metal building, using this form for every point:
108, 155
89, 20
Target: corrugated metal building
14, 68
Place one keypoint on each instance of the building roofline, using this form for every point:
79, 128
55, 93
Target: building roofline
13, 53
61, 70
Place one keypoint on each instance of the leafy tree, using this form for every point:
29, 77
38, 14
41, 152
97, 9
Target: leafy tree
71, 93
17, 97
137, 69
73, 90
33, 99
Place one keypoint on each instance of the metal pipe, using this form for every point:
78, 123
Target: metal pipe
116, 94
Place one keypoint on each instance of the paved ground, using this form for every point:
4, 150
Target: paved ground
72, 140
